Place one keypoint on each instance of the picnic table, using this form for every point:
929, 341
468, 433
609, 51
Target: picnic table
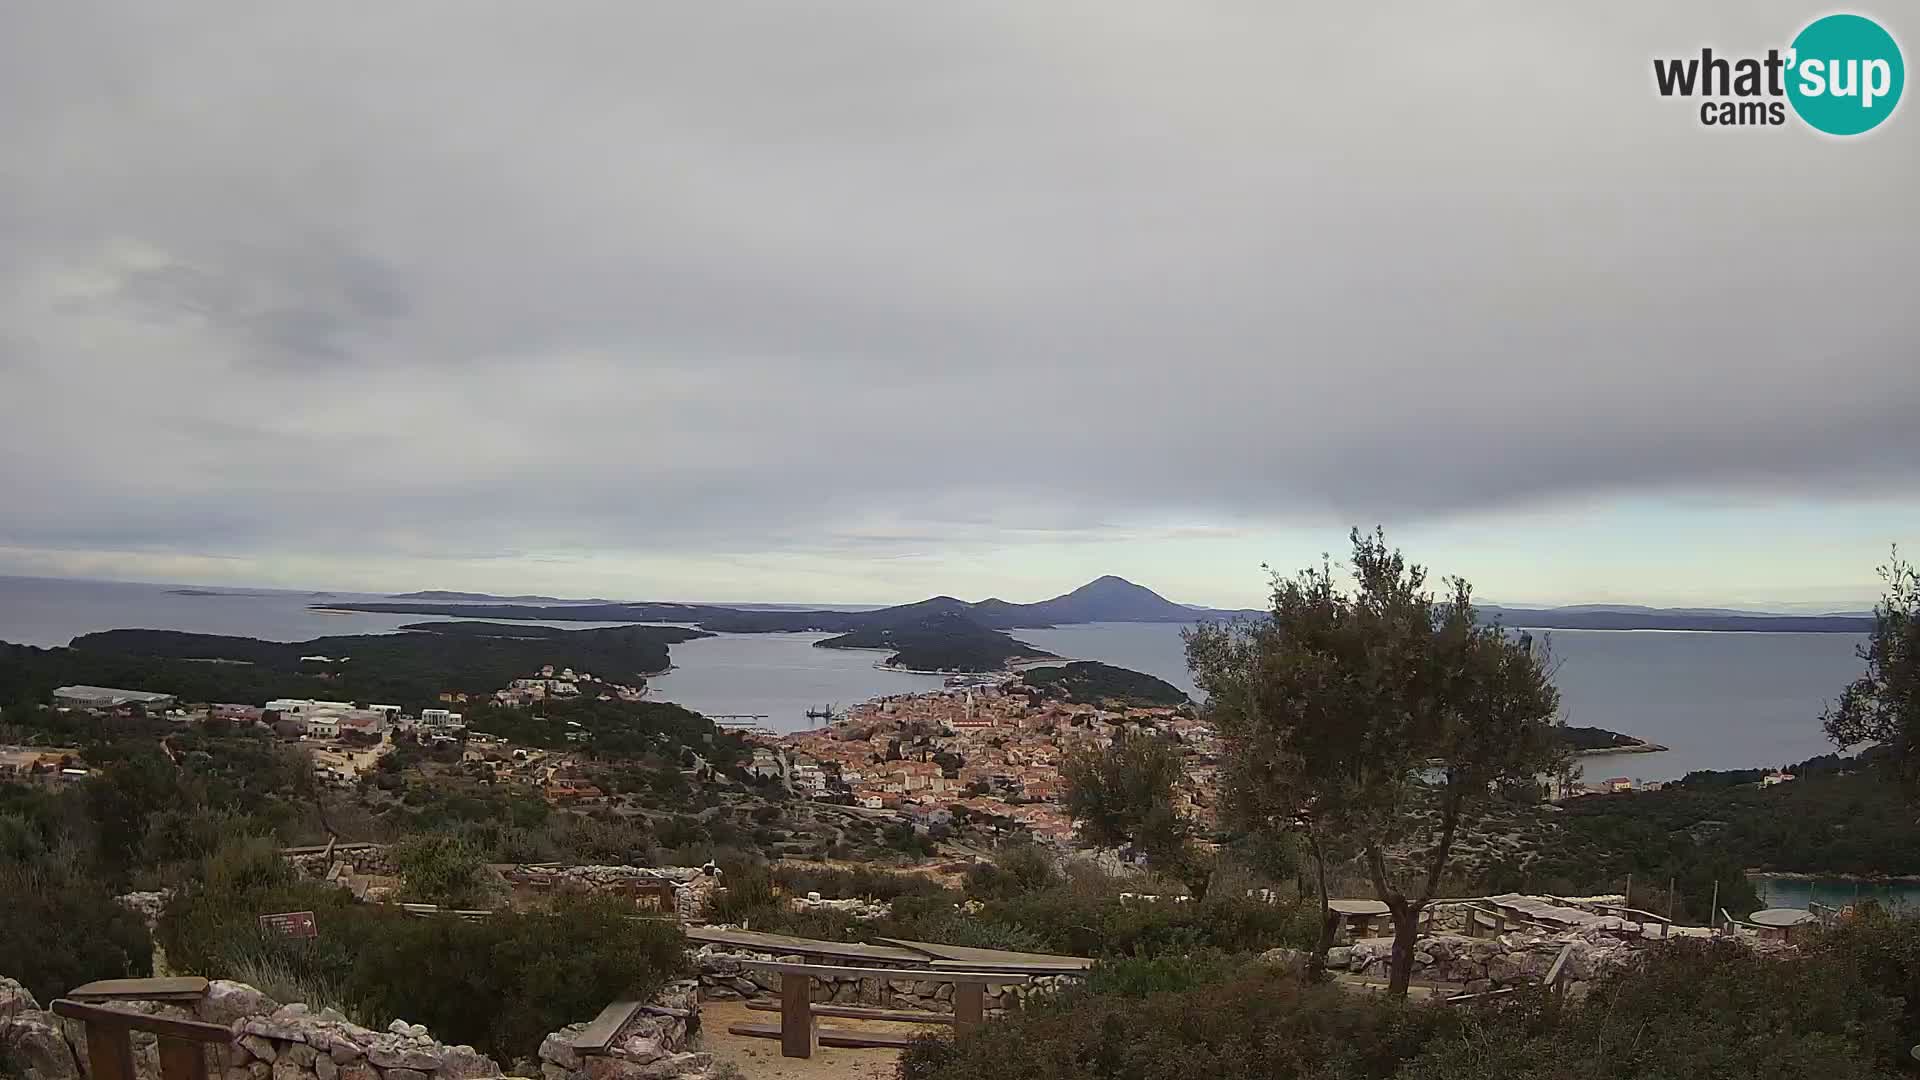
1783, 920
1357, 915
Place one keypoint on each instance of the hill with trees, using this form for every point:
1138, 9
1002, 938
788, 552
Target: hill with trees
1093, 683
408, 669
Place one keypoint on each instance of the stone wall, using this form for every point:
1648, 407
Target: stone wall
272, 1042
651, 1045
1490, 963
724, 976
693, 886
369, 859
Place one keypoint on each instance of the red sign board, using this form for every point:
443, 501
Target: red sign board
294, 924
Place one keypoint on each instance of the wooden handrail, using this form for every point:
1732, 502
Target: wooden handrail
920, 974
799, 1030
109, 1034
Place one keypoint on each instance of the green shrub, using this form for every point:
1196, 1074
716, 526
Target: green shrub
439, 868
501, 984
1884, 947
1138, 976
1691, 1009
1263, 1023
799, 879
1016, 869
59, 929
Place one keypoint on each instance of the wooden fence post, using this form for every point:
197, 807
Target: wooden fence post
799, 1031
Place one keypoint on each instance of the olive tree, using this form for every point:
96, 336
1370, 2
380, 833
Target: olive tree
1883, 704
1124, 794
1378, 717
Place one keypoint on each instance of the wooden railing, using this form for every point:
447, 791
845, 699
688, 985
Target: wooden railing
109, 1032
799, 1032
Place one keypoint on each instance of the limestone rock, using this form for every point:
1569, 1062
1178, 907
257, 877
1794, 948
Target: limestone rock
300, 1054
37, 1046
638, 1048
258, 1046
286, 1069
1339, 957
324, 1067
405, 1074
558, 1047
227, 1001
359, 1071
390, 1056
15, 998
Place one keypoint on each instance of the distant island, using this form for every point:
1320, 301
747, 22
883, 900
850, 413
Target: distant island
948, 634
936, 635
1089, 682
474, 597
1593, 740
407, 669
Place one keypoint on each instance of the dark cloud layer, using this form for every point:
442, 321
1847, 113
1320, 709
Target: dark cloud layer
867, 279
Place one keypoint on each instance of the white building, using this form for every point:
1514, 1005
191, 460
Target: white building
301, 708
440, 721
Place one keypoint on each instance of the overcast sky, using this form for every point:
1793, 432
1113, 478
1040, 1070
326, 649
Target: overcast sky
863, 302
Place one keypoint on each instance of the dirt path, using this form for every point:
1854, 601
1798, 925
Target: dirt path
759, 1059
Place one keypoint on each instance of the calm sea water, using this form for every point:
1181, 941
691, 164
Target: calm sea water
1833, 892
1718, 700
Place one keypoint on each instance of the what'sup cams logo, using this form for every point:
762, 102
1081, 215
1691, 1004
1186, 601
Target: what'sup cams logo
1842, 75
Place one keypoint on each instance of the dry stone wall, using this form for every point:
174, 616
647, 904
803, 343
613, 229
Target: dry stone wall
271, 1042
1490, 963
652, 1045
724, 976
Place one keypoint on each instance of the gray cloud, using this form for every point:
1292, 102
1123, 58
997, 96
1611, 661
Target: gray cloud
868, 280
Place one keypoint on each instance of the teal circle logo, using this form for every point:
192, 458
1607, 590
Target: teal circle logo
1845, 74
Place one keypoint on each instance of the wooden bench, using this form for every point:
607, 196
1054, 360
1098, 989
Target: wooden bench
184, 988
109, 1034
799, 1031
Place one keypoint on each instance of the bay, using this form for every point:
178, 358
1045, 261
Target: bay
1718, 700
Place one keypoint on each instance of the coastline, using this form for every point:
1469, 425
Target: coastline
1863, 879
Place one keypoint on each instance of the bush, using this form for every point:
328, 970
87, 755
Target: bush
1016, 869
1076, 920
1690, 1009
1263, 1023
799, 879
1884, 948
501, 984
59, 929
439, 868
1136, 976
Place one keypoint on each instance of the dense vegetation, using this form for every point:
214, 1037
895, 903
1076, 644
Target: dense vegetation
1703, 831
410, 669
499, 984
1022, 901
1094, 683
1697, 1010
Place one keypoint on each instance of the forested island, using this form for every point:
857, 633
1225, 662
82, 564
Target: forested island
1092, 683
935, 636
1593, 740
408, 669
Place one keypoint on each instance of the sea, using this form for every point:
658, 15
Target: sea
1715, 700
